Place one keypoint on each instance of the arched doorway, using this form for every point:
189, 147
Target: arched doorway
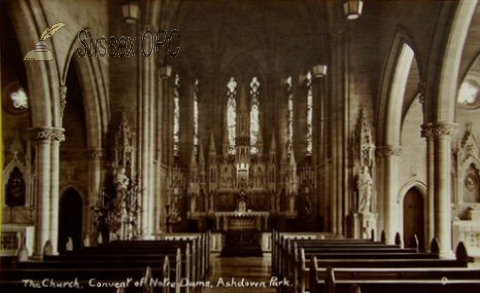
70, 219
413, 217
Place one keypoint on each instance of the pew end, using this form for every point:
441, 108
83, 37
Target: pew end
435, 246
383, 237
398, 239
147, 288
414, 243
461, 253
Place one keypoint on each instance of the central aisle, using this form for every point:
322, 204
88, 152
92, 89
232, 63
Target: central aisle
252, 272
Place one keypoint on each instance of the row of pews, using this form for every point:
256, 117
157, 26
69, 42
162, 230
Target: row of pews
176, 263
316, 263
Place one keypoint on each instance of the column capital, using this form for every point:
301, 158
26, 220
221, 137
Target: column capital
389, 150
45, 135
58, 134
427, 130
94, 153
444, 130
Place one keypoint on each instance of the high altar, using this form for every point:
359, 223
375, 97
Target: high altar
240, 186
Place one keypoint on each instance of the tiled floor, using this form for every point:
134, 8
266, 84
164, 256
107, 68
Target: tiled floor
254, 273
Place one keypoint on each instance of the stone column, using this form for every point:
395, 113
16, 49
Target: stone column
41, 137
161, 149
94, 156
390, 206
57, 136
427, 132
443, 132
145, 129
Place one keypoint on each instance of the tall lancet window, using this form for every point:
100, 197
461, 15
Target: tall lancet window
289, 117
176, 117
232, 113
309, 114
195, 117
254, 115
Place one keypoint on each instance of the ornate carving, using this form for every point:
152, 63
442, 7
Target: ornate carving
444, 130
44, 135
469, 145
427, 131
41, 135
16, 147
363, 141
390, 150
58, 134
63, 98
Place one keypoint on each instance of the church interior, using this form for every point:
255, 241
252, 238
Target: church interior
255, 139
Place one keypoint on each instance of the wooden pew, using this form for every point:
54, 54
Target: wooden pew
190, 257
94, 278
417, 272
179, 270
296, 267
303, 284
285, 247
399, 280
124, 256
279, 237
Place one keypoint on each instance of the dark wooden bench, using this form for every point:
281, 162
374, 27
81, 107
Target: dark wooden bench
398, 280
292, 259
304, 276
106, 277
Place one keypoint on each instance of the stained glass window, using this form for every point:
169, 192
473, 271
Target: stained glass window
232, 113
195, 117
176, 116
289, 117
254, 115
309, 114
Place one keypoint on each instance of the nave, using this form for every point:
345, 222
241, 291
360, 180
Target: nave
252, 269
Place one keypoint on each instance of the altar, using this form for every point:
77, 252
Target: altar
253, 220
242, 232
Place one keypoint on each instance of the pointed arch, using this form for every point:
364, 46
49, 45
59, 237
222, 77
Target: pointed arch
449, 74
42, 77
95, 98
392, 89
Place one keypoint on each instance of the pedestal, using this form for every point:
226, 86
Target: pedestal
363, 225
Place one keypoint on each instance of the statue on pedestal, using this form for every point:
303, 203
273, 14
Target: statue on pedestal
364, 186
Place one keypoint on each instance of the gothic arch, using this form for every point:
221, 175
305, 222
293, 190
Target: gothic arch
422, 187
389, 118
7, 171
449, 71
69, 185
94, 96
42, 77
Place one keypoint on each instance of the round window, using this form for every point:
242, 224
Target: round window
468, 94
15, 99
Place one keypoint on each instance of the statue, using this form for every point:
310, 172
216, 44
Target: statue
364, 186
242, 205
121, 186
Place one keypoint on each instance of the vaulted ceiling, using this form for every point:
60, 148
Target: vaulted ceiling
275, 36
